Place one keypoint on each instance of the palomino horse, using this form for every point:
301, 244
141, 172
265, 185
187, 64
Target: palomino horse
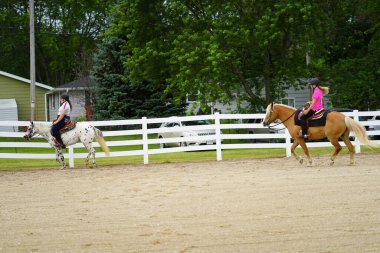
337, 126
83, 132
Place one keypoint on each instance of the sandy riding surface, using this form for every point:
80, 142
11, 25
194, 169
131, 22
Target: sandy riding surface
258, 205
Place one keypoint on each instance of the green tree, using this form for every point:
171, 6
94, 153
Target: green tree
66, 33
219, 48
353, 54
343, 42
119, 98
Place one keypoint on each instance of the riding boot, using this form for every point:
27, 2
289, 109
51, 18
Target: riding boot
56, 134
304, 131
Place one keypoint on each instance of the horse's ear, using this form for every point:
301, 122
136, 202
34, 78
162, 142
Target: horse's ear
31, 123
271, 105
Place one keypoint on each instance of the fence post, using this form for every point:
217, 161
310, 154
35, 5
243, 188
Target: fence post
218, 137
357, 142
288, 143
145, 140
71, 157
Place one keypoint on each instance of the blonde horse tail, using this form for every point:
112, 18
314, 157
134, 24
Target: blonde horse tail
100, 140
359, 131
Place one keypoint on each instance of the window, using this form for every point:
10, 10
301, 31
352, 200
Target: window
53, 101
288, 101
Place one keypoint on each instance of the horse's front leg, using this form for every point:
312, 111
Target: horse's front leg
293, 150
59, 157
305, 150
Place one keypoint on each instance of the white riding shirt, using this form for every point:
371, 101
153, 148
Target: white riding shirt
65, 106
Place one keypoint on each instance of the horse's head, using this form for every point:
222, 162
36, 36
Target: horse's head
31, 131
271, 115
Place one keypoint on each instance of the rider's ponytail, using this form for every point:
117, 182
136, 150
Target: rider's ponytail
71, 105
324, 89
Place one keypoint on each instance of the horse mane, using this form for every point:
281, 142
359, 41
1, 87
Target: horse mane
286, 106
42, 127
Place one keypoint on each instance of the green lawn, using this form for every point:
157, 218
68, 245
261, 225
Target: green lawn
29, 164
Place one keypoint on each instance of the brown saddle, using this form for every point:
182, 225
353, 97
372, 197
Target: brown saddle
318, 114
70, 125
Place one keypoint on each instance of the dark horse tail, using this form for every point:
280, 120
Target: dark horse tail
100, 140
359, 131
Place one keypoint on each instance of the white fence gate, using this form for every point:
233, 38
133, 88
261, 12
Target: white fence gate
220, 123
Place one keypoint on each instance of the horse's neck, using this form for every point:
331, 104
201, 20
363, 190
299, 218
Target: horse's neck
43, 129
285, 113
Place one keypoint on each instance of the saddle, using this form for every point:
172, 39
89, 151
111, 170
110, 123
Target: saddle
318, 119
318, 114
70, 125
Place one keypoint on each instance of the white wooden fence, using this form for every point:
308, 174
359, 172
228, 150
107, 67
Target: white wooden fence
149, 136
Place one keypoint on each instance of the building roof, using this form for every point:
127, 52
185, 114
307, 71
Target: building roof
79, 84
8, 103
25, 80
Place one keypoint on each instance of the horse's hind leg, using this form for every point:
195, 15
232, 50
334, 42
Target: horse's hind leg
346, 139
91, 153
338, 148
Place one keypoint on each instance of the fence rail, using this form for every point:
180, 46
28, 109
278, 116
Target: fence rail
148, 132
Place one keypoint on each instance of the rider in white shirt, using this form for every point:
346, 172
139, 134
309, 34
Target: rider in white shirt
62, 118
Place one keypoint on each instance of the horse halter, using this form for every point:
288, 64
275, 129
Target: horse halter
270, 114
31, 132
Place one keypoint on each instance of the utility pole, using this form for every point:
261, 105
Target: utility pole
32, 62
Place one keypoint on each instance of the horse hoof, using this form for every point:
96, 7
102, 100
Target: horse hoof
300, 160
331, 163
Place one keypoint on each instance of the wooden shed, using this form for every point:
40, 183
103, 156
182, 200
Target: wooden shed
18, 88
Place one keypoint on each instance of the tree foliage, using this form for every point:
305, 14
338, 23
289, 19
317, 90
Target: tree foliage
246, 48
220, 48
66, 32
243, 50
117, 96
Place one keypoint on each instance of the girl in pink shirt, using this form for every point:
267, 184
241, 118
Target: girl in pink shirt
315, 104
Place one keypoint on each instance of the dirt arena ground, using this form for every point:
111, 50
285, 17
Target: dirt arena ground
257, 205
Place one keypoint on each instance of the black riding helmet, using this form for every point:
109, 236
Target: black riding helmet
65, 97
315, 81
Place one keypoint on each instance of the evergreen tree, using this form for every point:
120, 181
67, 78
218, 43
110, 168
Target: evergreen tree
119, 98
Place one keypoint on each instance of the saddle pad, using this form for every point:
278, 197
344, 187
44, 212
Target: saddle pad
318, 121
70, 125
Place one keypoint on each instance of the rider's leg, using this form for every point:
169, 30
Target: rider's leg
303, 119
55, 131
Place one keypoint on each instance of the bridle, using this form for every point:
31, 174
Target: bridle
270, 115
31, 133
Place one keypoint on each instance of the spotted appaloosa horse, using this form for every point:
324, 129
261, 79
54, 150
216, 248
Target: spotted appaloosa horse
337, 126
83, 132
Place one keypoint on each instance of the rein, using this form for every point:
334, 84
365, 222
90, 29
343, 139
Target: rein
272, 127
